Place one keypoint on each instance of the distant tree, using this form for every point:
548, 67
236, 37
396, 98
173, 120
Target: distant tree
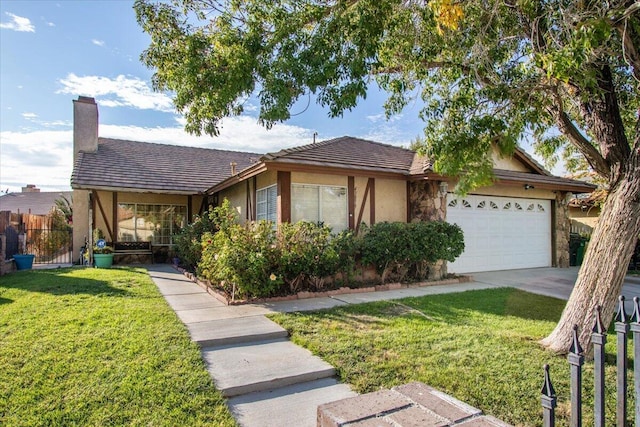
564, 73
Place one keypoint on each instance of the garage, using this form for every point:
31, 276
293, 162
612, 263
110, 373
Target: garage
501, 233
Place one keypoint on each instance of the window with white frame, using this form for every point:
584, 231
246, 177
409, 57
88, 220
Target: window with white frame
321, 204
266, 199
157, 224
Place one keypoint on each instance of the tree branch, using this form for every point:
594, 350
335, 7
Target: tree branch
568, 129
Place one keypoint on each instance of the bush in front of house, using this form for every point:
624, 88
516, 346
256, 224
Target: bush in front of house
395, 249
256, 260
188, 241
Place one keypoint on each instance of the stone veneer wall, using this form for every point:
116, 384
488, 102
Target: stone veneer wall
425, 205
562, 225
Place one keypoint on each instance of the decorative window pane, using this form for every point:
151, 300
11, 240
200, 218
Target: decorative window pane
518, 207
466, 204
507, 206
453, 203
320, 204
481, 205
540, 208
530, 207
150, 223
266, 200
493, 205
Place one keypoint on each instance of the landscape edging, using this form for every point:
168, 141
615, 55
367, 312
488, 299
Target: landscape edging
206, 285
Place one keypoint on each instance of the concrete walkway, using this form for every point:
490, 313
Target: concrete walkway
268, 380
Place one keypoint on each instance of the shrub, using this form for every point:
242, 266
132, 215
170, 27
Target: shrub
243, 259
307, 254
188, 241
396, 248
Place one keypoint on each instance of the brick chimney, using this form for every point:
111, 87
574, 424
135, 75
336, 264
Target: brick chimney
85, 126
30, 188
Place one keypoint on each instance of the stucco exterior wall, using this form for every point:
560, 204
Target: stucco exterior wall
507, 163
266, 179
237, 196
81, 218
318, 179
514, 191
391, 200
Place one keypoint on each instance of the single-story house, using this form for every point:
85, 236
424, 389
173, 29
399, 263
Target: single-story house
141, 191
32, 201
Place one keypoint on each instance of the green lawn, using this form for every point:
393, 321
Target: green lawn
83, 347
479, 346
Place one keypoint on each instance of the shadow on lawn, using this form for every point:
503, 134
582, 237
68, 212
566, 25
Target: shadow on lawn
456, 308
57, 282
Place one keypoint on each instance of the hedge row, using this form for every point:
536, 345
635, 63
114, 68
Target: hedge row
255, 260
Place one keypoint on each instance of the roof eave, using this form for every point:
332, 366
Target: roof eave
89, 187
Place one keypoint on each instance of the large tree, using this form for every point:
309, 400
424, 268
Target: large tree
564, 74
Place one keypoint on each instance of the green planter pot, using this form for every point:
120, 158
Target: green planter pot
24, 262
103, 260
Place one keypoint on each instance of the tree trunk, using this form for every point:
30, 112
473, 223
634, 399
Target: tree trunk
605, 263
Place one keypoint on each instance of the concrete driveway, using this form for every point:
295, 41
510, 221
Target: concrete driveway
554, 282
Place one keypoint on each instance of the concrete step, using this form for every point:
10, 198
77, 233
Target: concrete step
260, 366
294, 405
235, 331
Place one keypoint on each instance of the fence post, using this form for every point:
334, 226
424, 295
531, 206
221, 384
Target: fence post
576, 360
549, 400
622, 329
599, 339
635, 328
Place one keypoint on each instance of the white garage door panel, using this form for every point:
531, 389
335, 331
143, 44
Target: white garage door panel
501, 233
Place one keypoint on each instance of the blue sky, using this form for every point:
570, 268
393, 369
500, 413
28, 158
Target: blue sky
51, 52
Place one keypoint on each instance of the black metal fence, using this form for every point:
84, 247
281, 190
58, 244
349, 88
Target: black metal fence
50, 246
624, 325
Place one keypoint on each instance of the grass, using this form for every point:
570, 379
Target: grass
479, 346
89, 347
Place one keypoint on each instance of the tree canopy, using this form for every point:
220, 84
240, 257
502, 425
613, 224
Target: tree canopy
489, 72
564, 74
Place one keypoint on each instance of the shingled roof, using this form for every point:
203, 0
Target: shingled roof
38, 203
348, 152
160, 168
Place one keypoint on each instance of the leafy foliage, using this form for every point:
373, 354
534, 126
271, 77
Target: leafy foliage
255, 260
400, 247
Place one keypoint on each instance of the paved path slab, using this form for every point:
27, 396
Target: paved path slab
235, 331
294, 405
260, 366
193, 301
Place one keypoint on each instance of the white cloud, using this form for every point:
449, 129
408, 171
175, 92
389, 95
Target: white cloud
29, 116
18, 23
121, 91
98, 42
51, 24
45, 157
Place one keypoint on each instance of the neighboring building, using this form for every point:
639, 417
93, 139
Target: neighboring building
32, 201
141, 191
584, 212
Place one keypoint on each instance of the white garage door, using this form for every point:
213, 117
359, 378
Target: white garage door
501, 233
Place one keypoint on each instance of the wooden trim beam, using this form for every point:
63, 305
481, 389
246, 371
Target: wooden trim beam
189, 209
367, 189
372, 201
409, 201
284, 197
351, 201
104, 215
114, 216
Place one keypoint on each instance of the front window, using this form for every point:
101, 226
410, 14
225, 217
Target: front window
320, 204
150, 223
266, 199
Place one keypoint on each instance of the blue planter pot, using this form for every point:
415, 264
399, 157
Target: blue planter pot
103, 260
24, 262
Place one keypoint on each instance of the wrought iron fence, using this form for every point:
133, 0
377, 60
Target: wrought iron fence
623, 326
50, 246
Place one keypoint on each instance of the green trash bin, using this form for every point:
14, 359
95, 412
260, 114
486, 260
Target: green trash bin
580, 252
